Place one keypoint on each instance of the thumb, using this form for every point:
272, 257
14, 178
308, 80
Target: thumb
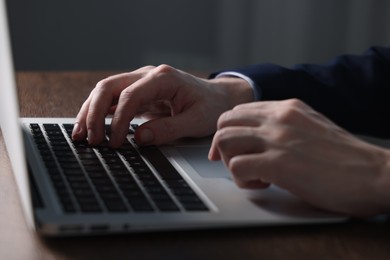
163, 130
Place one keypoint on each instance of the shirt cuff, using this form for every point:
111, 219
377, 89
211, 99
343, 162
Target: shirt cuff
255, 88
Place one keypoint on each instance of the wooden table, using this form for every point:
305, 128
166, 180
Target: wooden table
60, 94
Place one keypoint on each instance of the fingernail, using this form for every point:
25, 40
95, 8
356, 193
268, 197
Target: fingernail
213, 154
146, 136
76, 130
210, 156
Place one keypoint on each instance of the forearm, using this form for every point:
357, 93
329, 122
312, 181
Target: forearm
349, 90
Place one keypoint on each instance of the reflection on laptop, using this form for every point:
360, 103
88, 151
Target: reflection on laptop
74, 189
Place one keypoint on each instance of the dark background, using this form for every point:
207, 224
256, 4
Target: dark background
202, 34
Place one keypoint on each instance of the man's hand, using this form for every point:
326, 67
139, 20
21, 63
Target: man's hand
178, 105
288, 144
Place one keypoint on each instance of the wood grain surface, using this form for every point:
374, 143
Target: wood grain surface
60, 94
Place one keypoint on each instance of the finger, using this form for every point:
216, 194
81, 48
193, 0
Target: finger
292, 112
246, 167
214, 154
159, 85
273, 104
102, 102
99, 107
80, 126
239, 116
121, 80
245, 172
249, 117
259, 105
255, 170
232, 141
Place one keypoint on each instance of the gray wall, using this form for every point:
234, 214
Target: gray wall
201, 34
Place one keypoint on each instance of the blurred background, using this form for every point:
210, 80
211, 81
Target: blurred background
200, 35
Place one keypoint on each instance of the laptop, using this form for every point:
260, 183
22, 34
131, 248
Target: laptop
69, 188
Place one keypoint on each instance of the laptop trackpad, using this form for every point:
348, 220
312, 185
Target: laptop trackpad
197, 158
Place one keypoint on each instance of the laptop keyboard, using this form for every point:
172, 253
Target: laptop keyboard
100, 179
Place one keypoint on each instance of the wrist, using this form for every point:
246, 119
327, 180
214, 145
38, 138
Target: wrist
237, 90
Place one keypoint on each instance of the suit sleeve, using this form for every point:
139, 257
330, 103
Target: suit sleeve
352, 90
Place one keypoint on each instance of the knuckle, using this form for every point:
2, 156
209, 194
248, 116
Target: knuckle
103, 87
223, 140
144, 70
126, 94
221, 136
102, 84
295, 102
147, 68
223, 118
288, 113
162, 70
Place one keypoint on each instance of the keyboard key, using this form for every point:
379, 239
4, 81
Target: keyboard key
115, 205
160, 162
68, 207
140, 204
166, 205
49, 127
90, 207
127, 191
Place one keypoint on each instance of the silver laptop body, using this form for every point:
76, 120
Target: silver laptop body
199, 194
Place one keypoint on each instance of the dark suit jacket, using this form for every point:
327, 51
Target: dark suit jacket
352, 90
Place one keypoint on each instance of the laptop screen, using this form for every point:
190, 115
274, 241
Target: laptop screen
9, 115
